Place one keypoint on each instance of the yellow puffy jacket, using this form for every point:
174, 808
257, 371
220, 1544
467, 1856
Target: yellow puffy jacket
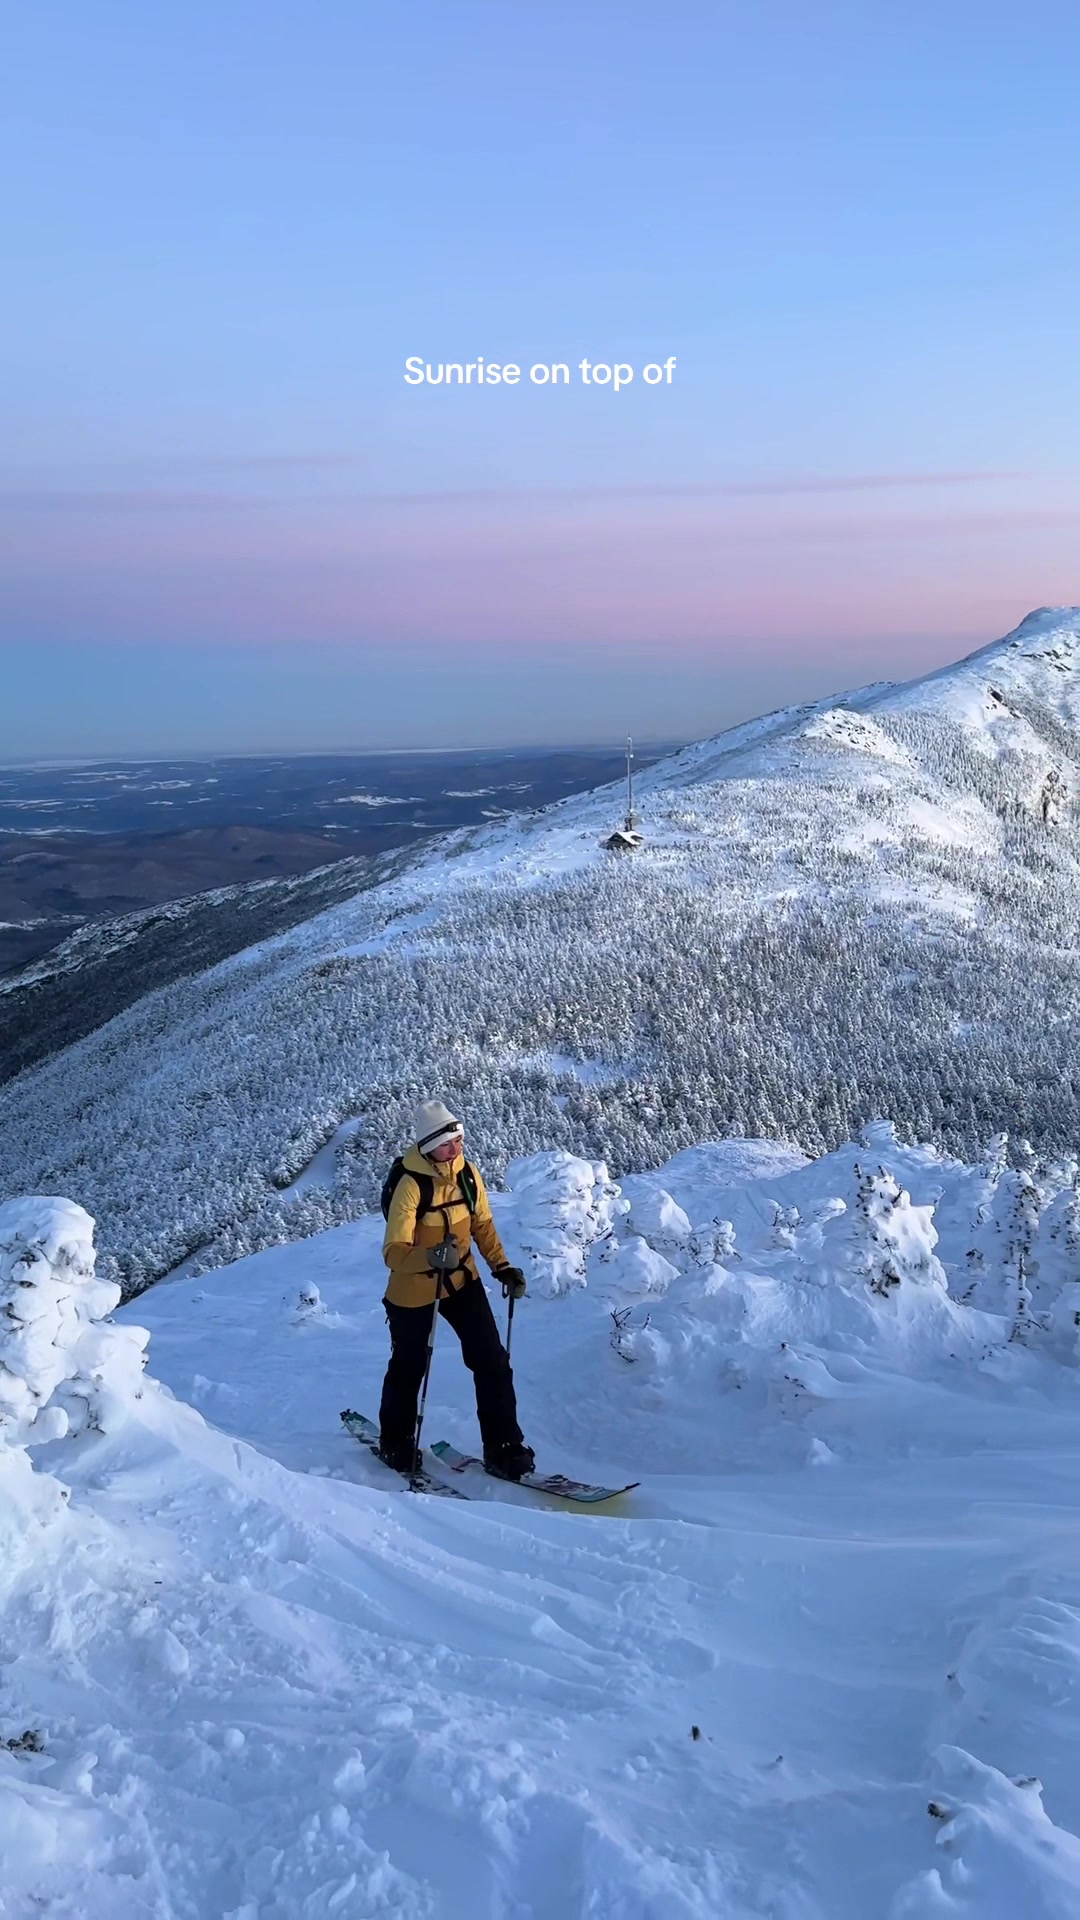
409, 1232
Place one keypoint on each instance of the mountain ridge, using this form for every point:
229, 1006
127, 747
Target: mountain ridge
847, 909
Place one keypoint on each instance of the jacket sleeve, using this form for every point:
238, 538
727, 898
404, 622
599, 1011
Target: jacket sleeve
398, 1250
483, 1228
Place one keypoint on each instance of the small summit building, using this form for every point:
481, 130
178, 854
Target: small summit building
626, 838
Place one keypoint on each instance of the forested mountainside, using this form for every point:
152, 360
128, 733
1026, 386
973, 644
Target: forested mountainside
100, 906
864, 907
105, 966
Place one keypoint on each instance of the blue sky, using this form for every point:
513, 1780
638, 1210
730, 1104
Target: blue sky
226, 520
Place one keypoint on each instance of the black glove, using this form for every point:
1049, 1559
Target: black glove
445, 1258
513, 1282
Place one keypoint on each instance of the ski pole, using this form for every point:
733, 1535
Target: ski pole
442, 1258
509, 1323
427, 1369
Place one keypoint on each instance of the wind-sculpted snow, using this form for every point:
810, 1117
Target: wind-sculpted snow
832, 918
1001, 1854
822, 1665
61, 1369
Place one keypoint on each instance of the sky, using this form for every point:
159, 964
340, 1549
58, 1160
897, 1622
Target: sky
227, 521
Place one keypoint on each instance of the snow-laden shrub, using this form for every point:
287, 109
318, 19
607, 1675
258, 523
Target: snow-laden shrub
637, 1267
713, 1241
999, 1852
785, 1222
63, 1365
655, 1215
564, 1206
882, 1237
854, 1274
1064, 1321
307, 1308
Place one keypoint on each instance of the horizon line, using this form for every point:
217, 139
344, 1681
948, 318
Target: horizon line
126, 757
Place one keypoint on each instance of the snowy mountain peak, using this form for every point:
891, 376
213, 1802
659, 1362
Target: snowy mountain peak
1016, 694
1037, 663
1048, 638
1044, 631
1055, 623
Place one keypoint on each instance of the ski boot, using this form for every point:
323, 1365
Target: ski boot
511, 1461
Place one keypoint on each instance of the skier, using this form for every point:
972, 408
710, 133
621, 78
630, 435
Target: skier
440, 1198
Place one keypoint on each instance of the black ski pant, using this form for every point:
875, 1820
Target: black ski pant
468, 1311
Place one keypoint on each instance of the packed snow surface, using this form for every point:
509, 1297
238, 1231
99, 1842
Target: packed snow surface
823, 1665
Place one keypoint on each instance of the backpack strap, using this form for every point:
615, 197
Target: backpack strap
399, 1172
469, 1189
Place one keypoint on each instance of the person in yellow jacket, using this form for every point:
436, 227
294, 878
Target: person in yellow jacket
422, 1238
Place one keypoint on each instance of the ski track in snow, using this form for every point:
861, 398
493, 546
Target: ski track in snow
274, 1683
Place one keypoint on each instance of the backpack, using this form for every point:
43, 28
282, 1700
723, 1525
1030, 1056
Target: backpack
466, 1181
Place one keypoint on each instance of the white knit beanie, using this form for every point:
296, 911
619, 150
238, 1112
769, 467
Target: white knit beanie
433, 1124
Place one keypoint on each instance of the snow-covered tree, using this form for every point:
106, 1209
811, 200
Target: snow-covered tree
883, 1238
63, 1365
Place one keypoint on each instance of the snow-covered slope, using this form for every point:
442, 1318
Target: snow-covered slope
869, 906
823, 1665
106, 965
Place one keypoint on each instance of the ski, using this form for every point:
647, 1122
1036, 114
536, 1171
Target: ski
553, 1483
367, 1433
